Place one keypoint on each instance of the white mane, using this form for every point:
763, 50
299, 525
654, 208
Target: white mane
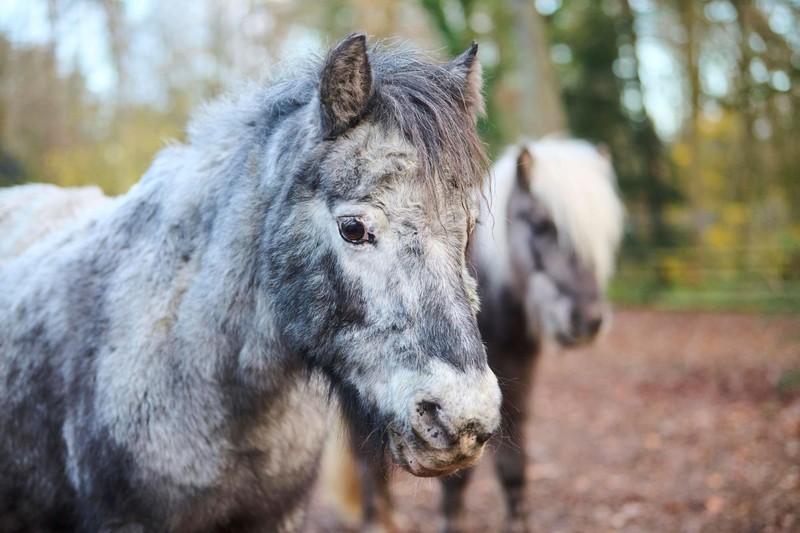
576, 184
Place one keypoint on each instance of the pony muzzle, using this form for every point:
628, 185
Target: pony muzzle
422, 460
586, 322
442, 417
433, 447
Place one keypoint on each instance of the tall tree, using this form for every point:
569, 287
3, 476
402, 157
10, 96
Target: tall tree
605, 107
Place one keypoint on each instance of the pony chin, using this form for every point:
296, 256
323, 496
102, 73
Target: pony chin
430, 462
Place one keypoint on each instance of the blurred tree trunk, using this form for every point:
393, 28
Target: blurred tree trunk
118, 41
541, 110
743, 192
748, 154
783, 112
55, 119
657, 191
218, 47
688, 16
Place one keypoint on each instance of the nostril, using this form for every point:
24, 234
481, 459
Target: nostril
585, 322
575, 319
483, 437
477, 431
430, 426
426, 408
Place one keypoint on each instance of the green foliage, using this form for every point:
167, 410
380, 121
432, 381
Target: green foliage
117, 161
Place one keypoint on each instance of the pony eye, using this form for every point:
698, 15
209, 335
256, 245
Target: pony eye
353, 230
544, 227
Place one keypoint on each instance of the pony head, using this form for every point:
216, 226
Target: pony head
366, 258
564, 227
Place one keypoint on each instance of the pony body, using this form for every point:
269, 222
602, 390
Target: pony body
167, 359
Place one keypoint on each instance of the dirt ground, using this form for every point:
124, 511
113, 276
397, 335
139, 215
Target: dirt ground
673, 422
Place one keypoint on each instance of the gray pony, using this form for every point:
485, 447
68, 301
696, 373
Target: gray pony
166, 360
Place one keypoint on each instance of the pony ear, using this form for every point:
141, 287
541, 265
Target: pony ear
524, 170
345, 85
468, 69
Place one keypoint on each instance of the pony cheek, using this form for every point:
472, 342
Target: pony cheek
521, 255
543, 305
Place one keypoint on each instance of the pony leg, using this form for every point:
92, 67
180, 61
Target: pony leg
456, 519
510, 458
356, 485
378, 514
509, 462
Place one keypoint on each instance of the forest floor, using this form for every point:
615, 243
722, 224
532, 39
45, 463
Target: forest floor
673, 422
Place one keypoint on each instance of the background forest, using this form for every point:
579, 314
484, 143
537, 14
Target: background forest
697, 101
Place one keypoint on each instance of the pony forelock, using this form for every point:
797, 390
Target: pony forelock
576, 184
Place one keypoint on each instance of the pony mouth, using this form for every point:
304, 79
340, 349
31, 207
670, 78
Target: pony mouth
422, 462
574, 341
